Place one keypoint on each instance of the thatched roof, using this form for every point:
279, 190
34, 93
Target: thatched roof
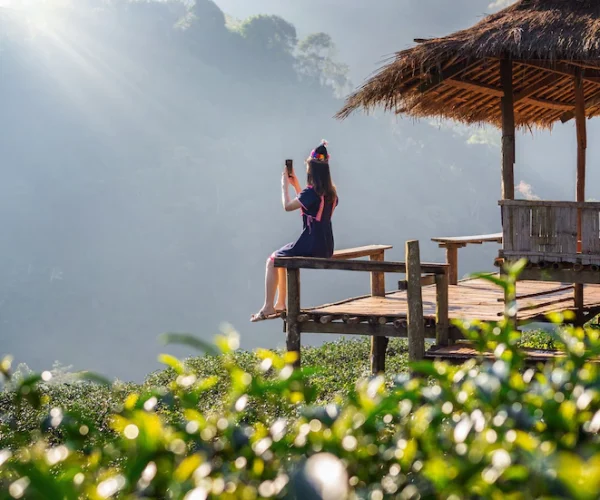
458, 76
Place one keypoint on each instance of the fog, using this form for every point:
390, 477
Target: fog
142, 145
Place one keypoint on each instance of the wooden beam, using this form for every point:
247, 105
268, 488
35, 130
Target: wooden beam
481, 88
354, 265
293, 311
416, 324
378, 344
560, 276
452, 261
549, 203
535, 87
581, 157
451, 72
508, 130
589, 103
366, 329
549, 104
441, 312
355, 253
562, 68
491, 90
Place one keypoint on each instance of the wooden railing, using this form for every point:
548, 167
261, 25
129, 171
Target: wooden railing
414, 270
546, 231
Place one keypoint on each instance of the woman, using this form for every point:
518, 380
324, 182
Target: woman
317, 203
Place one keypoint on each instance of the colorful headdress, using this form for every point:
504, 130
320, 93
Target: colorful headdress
320, 153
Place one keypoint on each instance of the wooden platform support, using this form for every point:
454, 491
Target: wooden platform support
581, 157
508, 130
416, 324
378, 344
293, 312
442, 310
377, 324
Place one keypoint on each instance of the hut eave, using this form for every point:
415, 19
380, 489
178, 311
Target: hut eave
458, 76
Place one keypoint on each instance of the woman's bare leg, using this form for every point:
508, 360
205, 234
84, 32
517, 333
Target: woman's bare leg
281, 290
271, 279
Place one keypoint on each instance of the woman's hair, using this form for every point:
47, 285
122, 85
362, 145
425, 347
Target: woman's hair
319, 175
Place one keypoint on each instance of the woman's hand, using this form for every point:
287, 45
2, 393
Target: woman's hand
293, 180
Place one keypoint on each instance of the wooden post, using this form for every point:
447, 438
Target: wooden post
416, 325
378, 344
581, 157
441, 313
293, 311
508, 130
452, 261
510, 302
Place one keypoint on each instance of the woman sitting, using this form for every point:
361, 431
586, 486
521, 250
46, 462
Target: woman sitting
317, 203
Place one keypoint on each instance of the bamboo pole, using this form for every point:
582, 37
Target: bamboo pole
416, 326
508, 130
581, 158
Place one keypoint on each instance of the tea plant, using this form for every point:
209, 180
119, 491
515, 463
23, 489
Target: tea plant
490, 428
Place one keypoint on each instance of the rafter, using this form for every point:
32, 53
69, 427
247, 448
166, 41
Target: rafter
491, 90
453, 71
563, 68
534, 87
589, 103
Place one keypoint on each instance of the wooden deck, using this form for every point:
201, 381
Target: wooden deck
468, 300
463, 351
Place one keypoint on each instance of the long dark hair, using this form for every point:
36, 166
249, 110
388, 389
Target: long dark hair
319, 177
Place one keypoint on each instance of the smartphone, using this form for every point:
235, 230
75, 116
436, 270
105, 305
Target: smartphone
289, 164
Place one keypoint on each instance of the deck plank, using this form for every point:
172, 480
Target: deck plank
468, 300
461, 351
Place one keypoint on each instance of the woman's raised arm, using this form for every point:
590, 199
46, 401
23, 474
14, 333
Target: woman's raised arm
289, 205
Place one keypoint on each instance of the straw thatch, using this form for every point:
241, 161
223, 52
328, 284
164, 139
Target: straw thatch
458, 76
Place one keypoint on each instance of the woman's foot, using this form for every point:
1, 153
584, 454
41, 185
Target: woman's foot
264, 314
280, 308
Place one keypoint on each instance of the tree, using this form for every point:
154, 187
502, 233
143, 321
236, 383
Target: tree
270, 33
207, 15
316, 64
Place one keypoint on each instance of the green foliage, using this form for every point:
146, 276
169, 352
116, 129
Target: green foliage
270, 33
485, 429
316, 63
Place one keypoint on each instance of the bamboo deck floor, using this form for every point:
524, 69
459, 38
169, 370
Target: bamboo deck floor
475, 299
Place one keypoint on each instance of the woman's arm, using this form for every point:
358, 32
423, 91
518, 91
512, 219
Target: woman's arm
288, 205
295, 183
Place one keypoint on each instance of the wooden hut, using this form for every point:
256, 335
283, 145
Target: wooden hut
530, 65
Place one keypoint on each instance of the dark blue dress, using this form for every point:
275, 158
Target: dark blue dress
316, 239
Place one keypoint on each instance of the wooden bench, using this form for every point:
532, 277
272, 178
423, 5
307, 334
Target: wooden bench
375, 252
452, 244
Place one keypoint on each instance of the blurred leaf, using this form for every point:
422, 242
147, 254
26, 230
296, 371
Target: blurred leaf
172, 362
190, 341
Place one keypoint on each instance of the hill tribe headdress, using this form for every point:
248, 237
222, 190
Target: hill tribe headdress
320, 153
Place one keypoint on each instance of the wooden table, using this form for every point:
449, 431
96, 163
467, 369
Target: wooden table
452, 244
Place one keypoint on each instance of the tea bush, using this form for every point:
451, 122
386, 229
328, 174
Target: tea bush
485, 429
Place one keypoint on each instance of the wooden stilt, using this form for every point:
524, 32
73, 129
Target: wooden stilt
581, 160
293, 311
442, 322
416, 325
378, 344
452, 261
508, 130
